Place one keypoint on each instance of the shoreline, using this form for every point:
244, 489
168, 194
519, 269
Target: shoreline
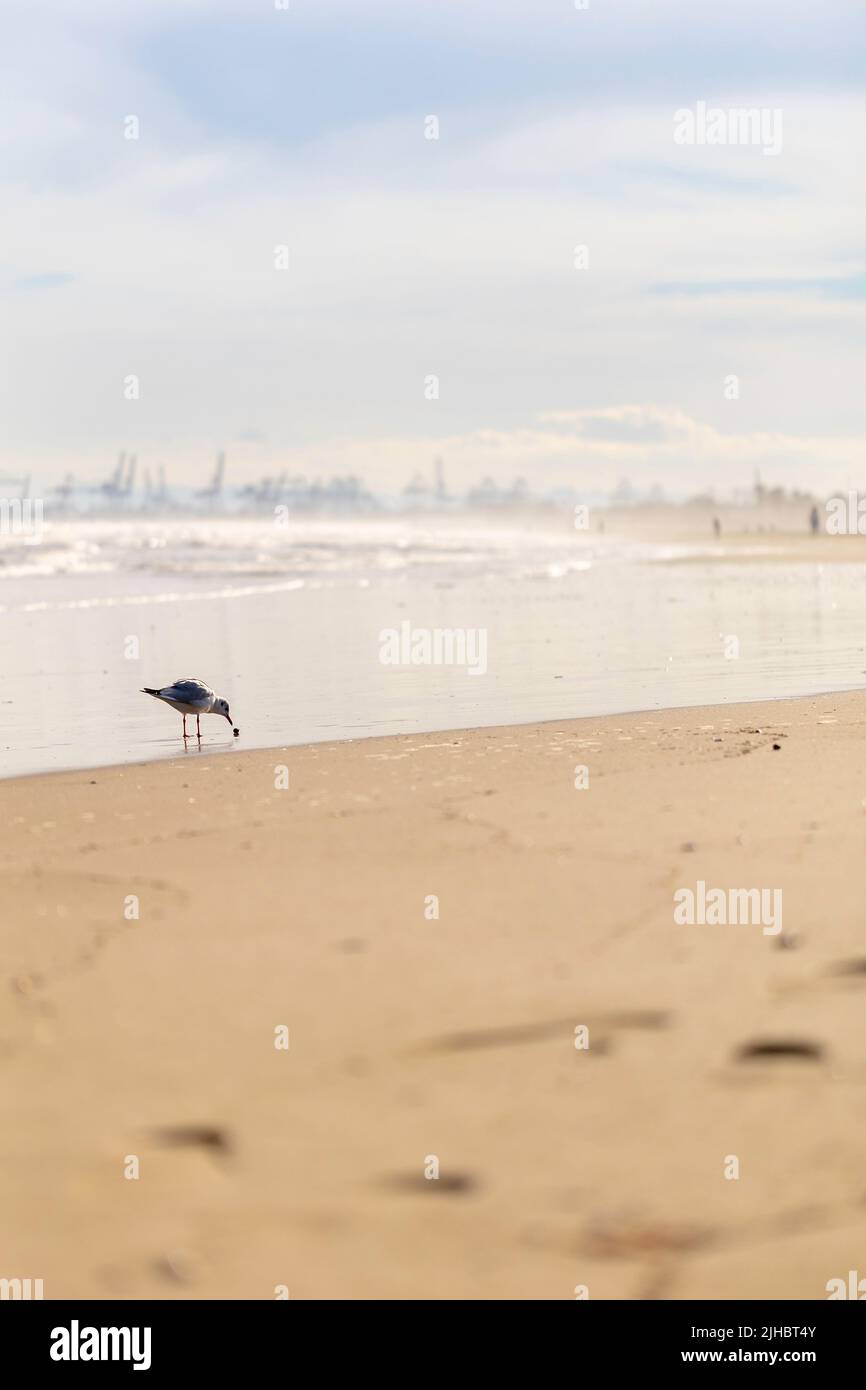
450, 1035
231, 749
575, 628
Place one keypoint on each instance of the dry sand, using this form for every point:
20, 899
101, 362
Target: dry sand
453, 1037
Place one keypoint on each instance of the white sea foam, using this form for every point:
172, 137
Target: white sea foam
244, 547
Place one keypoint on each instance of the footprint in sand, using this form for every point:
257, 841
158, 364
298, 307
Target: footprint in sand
516, 1035
455, 1184
848, 969
621, 1239
780, 1049
211, 1137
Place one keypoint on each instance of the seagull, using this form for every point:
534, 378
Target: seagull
191, 696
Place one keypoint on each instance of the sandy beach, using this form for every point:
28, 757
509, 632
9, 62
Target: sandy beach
147, 1042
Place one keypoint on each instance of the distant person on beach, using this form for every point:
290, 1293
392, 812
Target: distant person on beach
717, 527
814, 521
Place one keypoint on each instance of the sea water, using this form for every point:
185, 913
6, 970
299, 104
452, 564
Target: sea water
288, 623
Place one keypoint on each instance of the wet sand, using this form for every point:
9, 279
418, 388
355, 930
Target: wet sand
414, 1037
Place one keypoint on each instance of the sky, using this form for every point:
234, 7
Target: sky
433, 301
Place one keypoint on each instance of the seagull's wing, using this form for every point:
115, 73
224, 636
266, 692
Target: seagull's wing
188, 691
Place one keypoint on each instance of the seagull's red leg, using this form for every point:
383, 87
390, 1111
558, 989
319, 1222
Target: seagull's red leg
184, 727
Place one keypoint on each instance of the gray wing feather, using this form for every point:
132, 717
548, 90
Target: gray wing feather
188, 689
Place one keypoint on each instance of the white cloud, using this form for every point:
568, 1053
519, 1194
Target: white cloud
409, 257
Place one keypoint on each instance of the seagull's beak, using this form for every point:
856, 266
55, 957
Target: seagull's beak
229, 718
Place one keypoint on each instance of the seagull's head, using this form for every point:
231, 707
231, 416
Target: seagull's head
222, 707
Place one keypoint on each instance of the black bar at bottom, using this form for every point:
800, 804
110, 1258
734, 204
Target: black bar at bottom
163, 1338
